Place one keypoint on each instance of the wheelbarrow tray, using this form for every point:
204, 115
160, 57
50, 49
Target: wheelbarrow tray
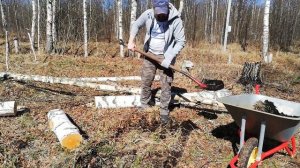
280, 128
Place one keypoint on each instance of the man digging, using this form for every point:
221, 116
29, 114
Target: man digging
165, 38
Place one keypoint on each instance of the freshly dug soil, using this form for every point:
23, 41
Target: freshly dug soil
269, 107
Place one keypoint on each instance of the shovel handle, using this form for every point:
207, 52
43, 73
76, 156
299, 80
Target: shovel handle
155, 58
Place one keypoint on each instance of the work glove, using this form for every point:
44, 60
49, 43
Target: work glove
165, 63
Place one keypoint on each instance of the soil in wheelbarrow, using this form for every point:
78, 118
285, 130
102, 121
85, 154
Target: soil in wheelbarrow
269, 107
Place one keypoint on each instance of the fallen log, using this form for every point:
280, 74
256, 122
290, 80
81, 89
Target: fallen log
8, 108
67, 133
70, 81
50, 79
204, 97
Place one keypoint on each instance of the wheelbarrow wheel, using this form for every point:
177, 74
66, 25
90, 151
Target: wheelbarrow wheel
248, 153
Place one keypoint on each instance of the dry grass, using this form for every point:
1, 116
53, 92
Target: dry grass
125, 137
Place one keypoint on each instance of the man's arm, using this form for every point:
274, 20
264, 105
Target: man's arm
135, 29
171, 52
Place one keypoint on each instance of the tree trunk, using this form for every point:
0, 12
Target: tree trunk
133, 17
74, 82
212, 21
33, 22
206, 22
266, 32
204, 97
66, 132
85, 29
4, 24
16, 44
32, 46
49, 45
227, 25
38, 24
54, 32
120, 18
6, 51
181, 4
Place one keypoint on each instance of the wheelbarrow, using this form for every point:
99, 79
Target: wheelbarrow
259, 124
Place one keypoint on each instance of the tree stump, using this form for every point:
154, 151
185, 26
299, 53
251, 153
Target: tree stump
8, 108
251, 76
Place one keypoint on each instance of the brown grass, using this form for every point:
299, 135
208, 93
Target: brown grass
125, 137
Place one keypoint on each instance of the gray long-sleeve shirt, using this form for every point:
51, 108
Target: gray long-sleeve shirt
174, 35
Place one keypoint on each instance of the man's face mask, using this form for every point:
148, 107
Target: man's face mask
161, 17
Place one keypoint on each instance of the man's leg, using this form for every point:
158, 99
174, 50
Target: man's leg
166, 80
148, 74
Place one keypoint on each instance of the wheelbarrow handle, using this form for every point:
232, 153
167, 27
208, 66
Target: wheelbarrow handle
155, 58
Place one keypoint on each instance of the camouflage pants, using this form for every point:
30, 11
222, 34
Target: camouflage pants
166, 79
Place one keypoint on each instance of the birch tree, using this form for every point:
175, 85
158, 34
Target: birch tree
33, 22
4, 24
133, 17
120, 16
85, 34
227, 28
212, 21
38, 24
54, 32
49, 45
266, 32
181, 4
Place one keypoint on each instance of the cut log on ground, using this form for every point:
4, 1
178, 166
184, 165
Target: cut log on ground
8, 108
70, 81
57, 79
204, 97
66, 132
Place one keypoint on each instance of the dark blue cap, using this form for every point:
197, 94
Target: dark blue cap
161, 6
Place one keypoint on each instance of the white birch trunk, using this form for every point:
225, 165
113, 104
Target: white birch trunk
16, 44
133, 12
66, 132
32, 46
49, 45
67, 81
206, 22
212, 21
85, 33
4, 23
181, 4
120, 16
8, 108
6, 51
54, 32
216, 19
132, 18
92, 79
38, 24
227, 25
266, 32
204, 97
33, 22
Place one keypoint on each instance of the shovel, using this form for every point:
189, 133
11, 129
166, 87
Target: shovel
207, 84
